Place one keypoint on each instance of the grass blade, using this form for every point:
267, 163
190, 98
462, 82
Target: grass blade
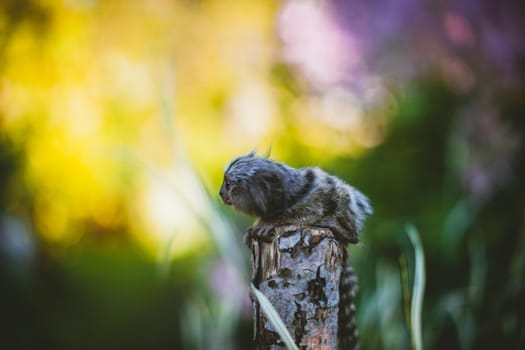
418, 288
405, 289
274, 318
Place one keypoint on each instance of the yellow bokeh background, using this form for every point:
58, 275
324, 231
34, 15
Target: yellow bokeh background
93, 92
108, 98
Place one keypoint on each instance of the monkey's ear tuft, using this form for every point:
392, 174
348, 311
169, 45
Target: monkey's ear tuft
268, 151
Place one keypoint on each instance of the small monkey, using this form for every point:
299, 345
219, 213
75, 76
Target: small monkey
278, 194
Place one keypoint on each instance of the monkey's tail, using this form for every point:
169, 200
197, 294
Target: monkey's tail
347, 334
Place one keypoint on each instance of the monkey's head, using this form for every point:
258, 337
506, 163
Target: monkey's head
254, 185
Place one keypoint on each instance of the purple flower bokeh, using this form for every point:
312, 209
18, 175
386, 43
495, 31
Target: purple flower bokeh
339, 42
227, 282
475, 47
314, 43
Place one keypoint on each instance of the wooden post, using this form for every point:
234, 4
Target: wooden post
298, 269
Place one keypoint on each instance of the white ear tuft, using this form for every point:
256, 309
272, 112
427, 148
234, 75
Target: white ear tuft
268, 151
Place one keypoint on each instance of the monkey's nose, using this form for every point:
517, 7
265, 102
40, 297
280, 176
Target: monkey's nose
225, 198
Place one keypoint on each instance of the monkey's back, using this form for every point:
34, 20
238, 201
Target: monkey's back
321, 197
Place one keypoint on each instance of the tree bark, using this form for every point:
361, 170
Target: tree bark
298, 268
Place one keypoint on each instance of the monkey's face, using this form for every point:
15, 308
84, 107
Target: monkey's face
236, 192
224, 192
252, 186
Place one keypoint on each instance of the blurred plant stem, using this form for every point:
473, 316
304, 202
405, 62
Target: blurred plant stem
418, 288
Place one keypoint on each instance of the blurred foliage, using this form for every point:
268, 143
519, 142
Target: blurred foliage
116, 119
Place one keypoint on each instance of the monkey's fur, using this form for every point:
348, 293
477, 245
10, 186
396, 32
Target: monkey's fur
279, 195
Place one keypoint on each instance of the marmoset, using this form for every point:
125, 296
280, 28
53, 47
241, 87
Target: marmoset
279, 194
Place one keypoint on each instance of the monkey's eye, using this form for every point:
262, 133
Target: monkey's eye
226, 183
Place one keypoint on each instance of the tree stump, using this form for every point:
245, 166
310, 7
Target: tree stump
298, 269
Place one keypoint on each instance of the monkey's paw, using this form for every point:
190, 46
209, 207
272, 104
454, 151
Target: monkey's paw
261, 230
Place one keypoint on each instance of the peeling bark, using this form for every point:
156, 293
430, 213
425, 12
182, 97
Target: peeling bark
298, 268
